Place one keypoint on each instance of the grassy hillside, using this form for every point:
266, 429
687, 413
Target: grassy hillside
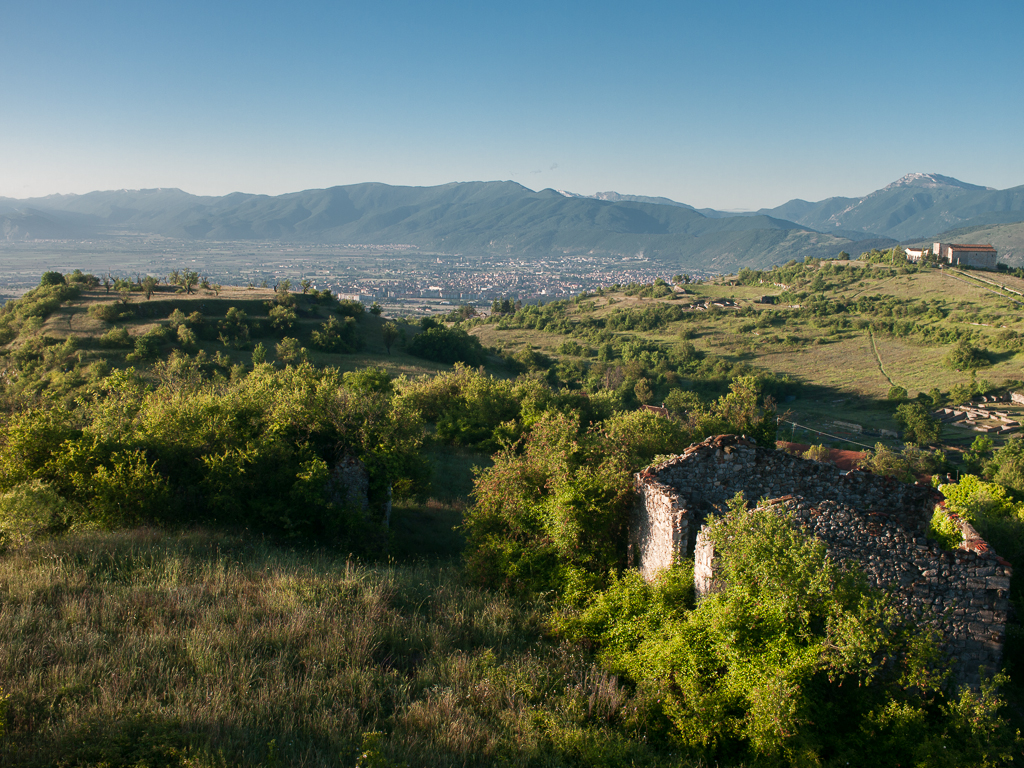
177, 523
844, 340
206, 650
80, 318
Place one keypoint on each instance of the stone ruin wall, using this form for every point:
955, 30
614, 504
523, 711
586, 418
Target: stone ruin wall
877, 522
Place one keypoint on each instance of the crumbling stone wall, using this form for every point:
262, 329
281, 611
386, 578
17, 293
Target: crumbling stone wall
349, 485
877, 522
660, 530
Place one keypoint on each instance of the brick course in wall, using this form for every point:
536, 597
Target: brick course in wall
877, 522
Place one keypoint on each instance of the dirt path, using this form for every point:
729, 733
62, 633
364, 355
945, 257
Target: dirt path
972, 280
874, 348
986, 280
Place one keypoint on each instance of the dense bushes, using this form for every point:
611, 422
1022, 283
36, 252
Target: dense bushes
649, 318
447, 345
917, 423
993, 512
337, 336
793, 661
553, 517
551, 513
474, 410
256, 451
906, 465
966, 357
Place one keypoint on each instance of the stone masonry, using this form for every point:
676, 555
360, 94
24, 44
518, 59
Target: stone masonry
877, 522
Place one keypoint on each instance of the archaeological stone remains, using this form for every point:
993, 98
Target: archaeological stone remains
875, 521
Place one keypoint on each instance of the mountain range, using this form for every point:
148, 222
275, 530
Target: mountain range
505, 218
915, 207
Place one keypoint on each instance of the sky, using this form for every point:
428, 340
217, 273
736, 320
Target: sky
725, 104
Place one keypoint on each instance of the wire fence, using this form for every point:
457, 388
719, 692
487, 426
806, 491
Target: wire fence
826, 434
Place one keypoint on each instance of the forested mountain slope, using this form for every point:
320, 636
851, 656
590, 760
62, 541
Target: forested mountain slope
501, 218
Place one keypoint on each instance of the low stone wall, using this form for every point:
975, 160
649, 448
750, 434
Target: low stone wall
877, 522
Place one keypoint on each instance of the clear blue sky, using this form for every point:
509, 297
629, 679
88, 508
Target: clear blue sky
726, 104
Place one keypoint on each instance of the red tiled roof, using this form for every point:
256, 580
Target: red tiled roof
960, 247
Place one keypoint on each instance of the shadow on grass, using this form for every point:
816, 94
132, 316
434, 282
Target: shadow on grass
150, 740
137, 740
429, 530
999, 357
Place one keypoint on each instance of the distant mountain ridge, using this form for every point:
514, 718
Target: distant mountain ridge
932, 181
506, 218
919, 205
483, 218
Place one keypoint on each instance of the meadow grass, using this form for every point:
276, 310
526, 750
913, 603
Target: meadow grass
848, 370
73, 319
147, 648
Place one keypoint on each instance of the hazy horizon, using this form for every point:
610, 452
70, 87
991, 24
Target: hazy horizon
736, 107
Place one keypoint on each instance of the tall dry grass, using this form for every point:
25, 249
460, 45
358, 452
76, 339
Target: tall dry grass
146, 648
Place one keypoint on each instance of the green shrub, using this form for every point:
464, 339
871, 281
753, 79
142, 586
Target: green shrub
447, 345
629, 611
282, 317
570, 347
259, 353
234, 330
553, 514
186, 337
349, 308
904, 465
817, 453
1007, 465
79, 278
116, 337
28, 511
918, 425
897, 394
336, 336
289, 351
966, 357
126, 491
177, 319
110, 313
942, 529
373, 379
146, 347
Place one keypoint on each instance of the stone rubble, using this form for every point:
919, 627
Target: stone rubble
877, 522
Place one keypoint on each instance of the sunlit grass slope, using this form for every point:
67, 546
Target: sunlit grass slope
201, 649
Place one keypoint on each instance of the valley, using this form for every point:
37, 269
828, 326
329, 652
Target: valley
282, 524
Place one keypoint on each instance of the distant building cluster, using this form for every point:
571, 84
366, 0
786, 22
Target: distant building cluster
958, 255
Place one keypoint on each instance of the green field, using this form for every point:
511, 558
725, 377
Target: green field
844, 372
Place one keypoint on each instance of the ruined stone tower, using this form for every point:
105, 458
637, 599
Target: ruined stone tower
877, 522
